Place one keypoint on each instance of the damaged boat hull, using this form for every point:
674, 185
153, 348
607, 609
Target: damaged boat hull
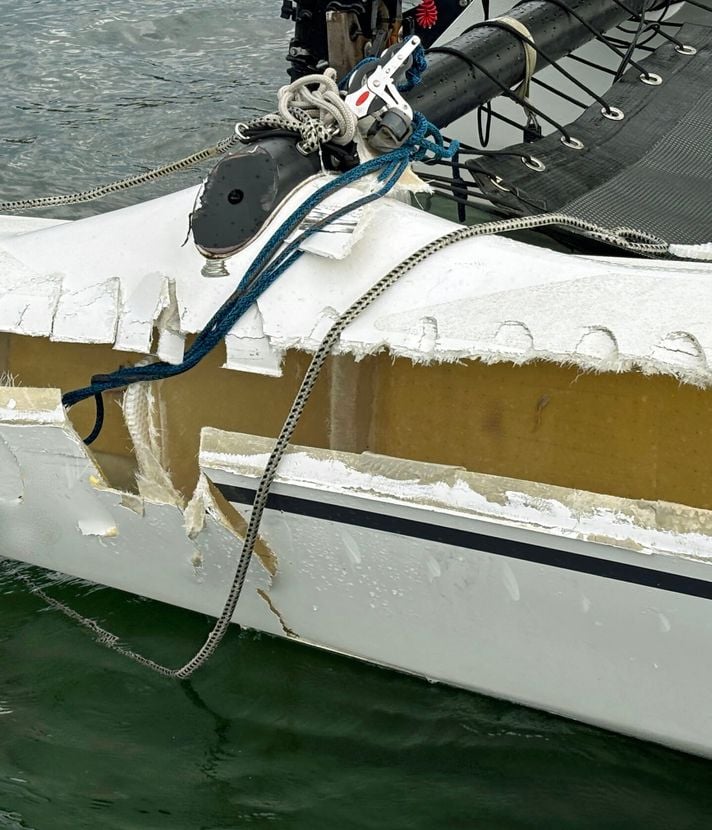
590, 606
596, 627
578, 604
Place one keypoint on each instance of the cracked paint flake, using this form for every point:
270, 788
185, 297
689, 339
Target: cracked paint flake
88, 314
139, 312
28, 306
171, 338
94, 526
129, 500
266, 597
209, 501
249, 350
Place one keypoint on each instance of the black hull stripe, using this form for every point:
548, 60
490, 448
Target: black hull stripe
525, 551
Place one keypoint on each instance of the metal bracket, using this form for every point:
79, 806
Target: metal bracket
379, 90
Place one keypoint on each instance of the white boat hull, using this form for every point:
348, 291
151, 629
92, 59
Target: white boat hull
588, 630
567, 605
588, 606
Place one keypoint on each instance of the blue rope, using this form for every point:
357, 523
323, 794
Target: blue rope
269, 265
414, 75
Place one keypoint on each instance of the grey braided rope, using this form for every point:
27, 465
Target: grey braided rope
122, 184
626, 238
317, 115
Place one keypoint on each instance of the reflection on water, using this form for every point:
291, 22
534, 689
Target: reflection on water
277, 734
96, 91
270, 734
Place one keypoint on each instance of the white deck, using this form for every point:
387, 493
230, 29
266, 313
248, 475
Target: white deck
114, 277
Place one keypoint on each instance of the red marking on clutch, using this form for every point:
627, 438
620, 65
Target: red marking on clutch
362, 98
426, 15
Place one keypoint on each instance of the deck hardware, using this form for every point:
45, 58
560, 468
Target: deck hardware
534, 163
572, 142
613, 113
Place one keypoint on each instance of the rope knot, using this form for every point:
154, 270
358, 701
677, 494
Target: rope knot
312, 107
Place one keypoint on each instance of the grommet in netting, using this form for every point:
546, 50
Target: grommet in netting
613, 113
651, 79
571, 142
685, 49
533, 163
497, 182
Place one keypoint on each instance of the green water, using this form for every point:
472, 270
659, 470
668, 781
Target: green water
274, 734
270, 734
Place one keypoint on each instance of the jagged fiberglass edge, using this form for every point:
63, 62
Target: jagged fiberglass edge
261, 273
264, 270
261, 494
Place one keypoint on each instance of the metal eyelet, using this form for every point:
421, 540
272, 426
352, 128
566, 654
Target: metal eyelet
685, 49
651, 79
572, 143
240, 131
497, 182
533, 163
613, 113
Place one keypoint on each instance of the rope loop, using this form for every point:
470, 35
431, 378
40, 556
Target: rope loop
414, 74
428, 140
640, 241
313, 108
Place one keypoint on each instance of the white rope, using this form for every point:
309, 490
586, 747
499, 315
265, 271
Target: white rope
530, 58
313, 107
529, 53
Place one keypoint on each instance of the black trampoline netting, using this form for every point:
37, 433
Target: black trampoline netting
651, 171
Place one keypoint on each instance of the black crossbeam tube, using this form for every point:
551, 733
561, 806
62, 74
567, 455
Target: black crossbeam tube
452, 87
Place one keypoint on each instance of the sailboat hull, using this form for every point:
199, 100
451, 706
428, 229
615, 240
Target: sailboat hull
587, 606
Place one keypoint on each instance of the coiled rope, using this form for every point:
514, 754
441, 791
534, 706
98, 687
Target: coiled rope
317, 115
623, 237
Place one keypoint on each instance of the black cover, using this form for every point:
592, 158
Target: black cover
651, 171
243, 191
